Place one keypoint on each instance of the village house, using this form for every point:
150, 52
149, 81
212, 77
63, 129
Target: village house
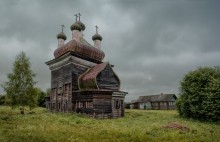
80, 81
156, 102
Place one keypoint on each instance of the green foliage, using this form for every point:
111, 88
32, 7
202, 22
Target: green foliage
2, 99
136, 126
200, 94
41, 98
32, 98
20, 89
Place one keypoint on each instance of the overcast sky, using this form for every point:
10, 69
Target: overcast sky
152, 43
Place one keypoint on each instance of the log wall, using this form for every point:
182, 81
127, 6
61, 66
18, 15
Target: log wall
99, 104
67, 97
117, 106
108, 80
76, 72
63, 81
163, 105
102, 106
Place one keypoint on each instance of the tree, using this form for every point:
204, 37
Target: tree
2, 99
41, 98
200, 94
20, 89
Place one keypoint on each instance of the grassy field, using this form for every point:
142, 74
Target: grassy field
136, 126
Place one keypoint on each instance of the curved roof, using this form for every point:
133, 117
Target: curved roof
82, 48
88, 79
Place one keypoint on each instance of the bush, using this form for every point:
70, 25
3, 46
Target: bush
2, 99
200, 94
41, 98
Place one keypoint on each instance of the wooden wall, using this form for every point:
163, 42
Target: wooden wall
102, 106
107, 79
76, 72
163, 105
66, 97
63, 81
98, 104
61, 75
117, 106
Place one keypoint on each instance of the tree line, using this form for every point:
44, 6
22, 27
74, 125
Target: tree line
4, 100
20, 90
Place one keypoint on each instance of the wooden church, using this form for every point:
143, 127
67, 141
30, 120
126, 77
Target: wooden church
80, 81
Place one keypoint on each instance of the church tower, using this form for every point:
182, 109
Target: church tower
80, 81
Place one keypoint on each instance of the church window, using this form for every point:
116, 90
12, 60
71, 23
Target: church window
117, 104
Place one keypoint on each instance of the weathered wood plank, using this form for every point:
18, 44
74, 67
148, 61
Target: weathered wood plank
108, 80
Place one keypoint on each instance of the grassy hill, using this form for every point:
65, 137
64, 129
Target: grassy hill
136, 126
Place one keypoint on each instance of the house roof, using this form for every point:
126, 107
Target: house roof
150, 98
166, 97
88, 79
155, 98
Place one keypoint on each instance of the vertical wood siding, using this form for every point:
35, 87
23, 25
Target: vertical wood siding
107, 79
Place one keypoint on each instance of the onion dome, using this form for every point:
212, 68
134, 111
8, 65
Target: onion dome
61, 35
97, 37
83, 27
76, 26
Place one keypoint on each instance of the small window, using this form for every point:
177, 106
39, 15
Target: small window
117, 104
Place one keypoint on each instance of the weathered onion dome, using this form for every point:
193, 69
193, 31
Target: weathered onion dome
61, 35
81, 48
97, 36
76, 26
83, 27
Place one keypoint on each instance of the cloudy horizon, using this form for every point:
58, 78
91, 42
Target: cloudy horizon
152, 44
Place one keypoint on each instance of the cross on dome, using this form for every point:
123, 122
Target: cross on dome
97, 36
79, 16
76, 16
62, 26
96, 28
61, 35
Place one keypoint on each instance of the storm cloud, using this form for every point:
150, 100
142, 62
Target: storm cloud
152, 44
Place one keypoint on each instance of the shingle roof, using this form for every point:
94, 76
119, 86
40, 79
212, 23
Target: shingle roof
165, 97
156, 98
147, 98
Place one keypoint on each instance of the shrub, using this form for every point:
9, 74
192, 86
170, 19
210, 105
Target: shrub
2, 99
200, 94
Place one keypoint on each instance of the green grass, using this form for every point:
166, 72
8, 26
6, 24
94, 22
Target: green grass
136, 126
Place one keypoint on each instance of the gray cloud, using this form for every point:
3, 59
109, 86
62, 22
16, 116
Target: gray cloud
151, 43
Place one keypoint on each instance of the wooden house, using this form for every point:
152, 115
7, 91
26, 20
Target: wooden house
80, 81
162, 101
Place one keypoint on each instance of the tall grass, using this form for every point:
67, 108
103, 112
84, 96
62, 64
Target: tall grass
137, 126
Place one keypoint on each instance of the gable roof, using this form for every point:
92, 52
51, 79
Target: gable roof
156, 98
88, 79
166, 97
150, 98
